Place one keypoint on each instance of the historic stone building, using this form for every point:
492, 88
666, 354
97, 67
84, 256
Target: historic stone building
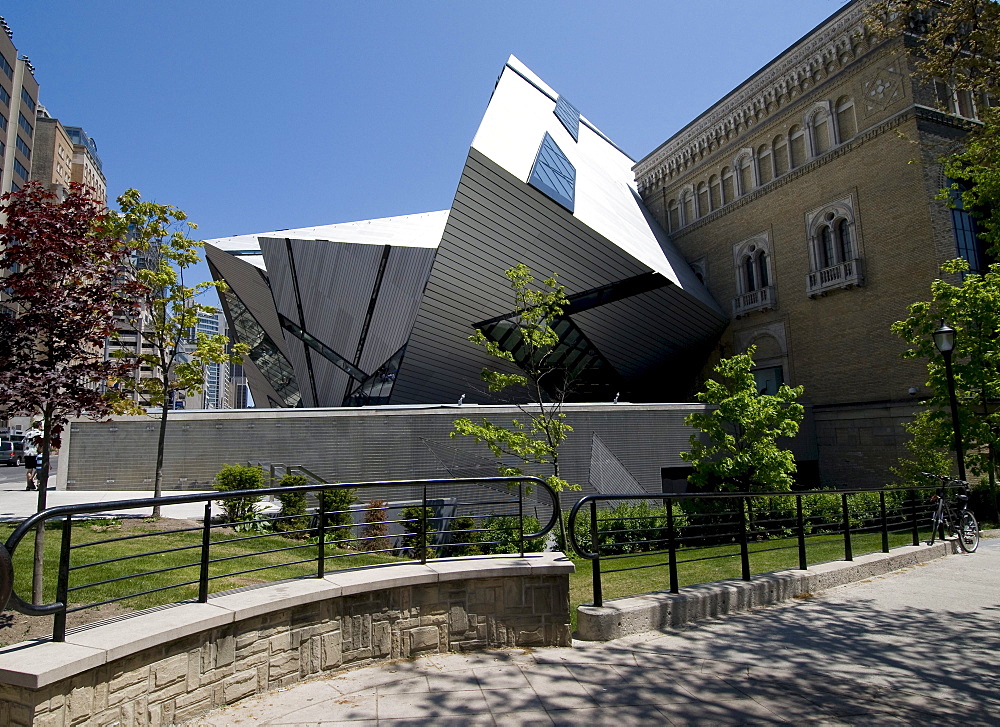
805, 200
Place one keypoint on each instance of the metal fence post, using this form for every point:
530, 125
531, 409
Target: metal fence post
206, 546
62, 583
885, 522
672, 547
520, 515
913, 514
423, 527
595, 544
321, 544
744, 550
848, 551
801, 522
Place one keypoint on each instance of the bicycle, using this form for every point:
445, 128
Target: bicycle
956, 521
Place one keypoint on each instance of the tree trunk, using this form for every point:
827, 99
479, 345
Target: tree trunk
43, 485
158, 481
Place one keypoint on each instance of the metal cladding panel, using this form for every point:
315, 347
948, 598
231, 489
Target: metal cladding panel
651, 331
607, 473
344, 445
248, 283
496, 222
396, 307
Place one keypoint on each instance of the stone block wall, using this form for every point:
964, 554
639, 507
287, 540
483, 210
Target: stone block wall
181, 678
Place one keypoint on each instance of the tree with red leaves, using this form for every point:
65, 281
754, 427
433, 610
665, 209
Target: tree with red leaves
63, 288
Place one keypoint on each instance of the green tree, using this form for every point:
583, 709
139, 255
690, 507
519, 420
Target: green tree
62, 294
538, 377
541, 383
972, 308
169, 313
738, 446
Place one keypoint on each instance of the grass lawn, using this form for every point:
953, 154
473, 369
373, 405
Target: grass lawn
159, 573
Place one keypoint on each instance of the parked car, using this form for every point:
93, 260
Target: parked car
11, 450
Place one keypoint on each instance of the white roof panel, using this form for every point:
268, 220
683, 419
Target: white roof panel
419, 230
520, 113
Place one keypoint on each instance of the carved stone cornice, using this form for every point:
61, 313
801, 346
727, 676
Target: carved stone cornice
832, 46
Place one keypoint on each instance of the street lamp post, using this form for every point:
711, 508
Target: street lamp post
944, 341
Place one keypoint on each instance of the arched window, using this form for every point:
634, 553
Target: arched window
833, 239
703, 204
745, 170
821, 133
780, 150
797, 146
765, 170
834, 248
687, 208
755, 292
845, 249
847, 125
728, 186
749, 277
714, 192
673, 216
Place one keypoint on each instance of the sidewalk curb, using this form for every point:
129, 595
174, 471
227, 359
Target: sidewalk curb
662, 610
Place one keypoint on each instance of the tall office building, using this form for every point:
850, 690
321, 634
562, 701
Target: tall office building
87, 166
18, 104
52, 157
216, 391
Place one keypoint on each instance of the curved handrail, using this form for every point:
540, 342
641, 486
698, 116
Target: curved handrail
9, 597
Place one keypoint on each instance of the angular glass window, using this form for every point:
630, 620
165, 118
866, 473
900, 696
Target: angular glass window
569, 116
263, 352
377, 388
553, 174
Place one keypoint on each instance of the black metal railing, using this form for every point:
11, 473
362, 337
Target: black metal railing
669, 530
433, 518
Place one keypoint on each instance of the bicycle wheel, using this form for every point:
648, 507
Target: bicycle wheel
968, 532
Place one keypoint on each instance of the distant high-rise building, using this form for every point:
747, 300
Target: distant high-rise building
87, 167
215, 394
52, 157
18, 104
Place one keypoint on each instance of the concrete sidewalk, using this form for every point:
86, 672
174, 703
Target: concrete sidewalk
917, 646
16, 503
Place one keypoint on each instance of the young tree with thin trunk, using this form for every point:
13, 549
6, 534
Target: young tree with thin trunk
63, 291
542, 384
168, 317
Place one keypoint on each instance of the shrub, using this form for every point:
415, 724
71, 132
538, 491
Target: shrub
503, 530
413, 518
630, 527
293, 507
234, 477
337, 504
375, 531
463, 543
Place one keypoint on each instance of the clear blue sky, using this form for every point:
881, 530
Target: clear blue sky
256, 116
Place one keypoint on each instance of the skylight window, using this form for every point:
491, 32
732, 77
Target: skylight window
553, 174
569, 116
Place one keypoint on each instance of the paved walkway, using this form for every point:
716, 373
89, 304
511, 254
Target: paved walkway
17, 504
919, 646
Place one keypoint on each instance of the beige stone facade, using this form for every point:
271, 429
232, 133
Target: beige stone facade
806, 201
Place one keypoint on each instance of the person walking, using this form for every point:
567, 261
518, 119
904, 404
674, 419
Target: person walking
31, 455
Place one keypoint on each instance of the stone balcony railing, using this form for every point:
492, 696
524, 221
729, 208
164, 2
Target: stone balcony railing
844, 275
760, 299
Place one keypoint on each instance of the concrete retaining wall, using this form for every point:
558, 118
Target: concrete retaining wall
172, 664
656, 611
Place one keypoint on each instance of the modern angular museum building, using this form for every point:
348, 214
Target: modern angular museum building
797, 215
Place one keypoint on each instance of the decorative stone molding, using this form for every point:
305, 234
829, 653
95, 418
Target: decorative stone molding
170, 665
834, 45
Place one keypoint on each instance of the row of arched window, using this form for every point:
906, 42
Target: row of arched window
824, 126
